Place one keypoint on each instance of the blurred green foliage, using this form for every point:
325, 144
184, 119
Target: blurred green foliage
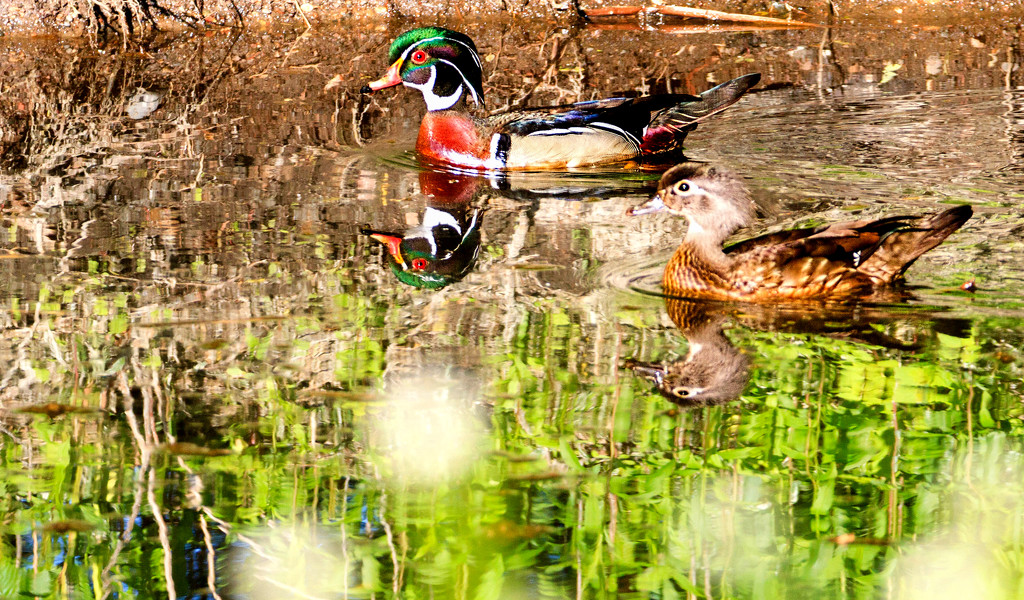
262, 447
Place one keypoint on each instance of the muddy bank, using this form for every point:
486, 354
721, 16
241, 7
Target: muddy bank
141, 17
68, 106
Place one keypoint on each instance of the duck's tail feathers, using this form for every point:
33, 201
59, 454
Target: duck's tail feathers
670, 126
894, 255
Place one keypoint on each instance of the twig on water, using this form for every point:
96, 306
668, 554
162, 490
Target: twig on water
642, 12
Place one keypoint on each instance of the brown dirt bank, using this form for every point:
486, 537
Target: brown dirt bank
82, 17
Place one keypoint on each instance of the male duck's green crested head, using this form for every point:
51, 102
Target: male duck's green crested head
442, 64
422, 279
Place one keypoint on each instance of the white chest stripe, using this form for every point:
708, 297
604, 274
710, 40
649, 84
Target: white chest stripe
432, 218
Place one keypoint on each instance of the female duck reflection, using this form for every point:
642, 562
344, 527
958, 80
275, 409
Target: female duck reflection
843, 263
443, 248
714, 371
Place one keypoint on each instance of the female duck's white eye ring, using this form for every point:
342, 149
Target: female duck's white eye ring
682, 187
418, 57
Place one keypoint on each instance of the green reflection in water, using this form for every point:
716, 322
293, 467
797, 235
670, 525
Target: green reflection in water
429, 460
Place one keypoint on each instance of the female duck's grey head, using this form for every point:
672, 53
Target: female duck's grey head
708, 375
713, 199
442, 64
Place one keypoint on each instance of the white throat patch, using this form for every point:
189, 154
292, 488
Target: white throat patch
435, 102
433, 218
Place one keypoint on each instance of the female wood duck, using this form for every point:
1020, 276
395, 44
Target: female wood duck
841, 261
445, 67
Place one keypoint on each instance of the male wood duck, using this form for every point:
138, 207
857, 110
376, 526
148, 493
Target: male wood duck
445, 67
844, 261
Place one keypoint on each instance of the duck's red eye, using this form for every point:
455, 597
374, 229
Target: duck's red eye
418, 57
419, 263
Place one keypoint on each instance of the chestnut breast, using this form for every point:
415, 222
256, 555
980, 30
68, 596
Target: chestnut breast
453, 138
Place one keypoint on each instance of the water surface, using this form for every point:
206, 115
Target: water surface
213, 383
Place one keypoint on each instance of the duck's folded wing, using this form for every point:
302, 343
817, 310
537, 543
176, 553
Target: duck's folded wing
851, 243
805, 268
686, 113
771, 239
627, 117
845, 258
669, 126
848, 243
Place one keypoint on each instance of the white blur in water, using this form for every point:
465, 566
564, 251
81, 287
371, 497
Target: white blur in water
293, 562
426, 431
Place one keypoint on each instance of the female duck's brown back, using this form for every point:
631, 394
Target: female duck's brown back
899, 250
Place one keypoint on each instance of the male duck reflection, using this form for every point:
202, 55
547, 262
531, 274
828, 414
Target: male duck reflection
444, 246
858, 259
439, 251
445, 67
